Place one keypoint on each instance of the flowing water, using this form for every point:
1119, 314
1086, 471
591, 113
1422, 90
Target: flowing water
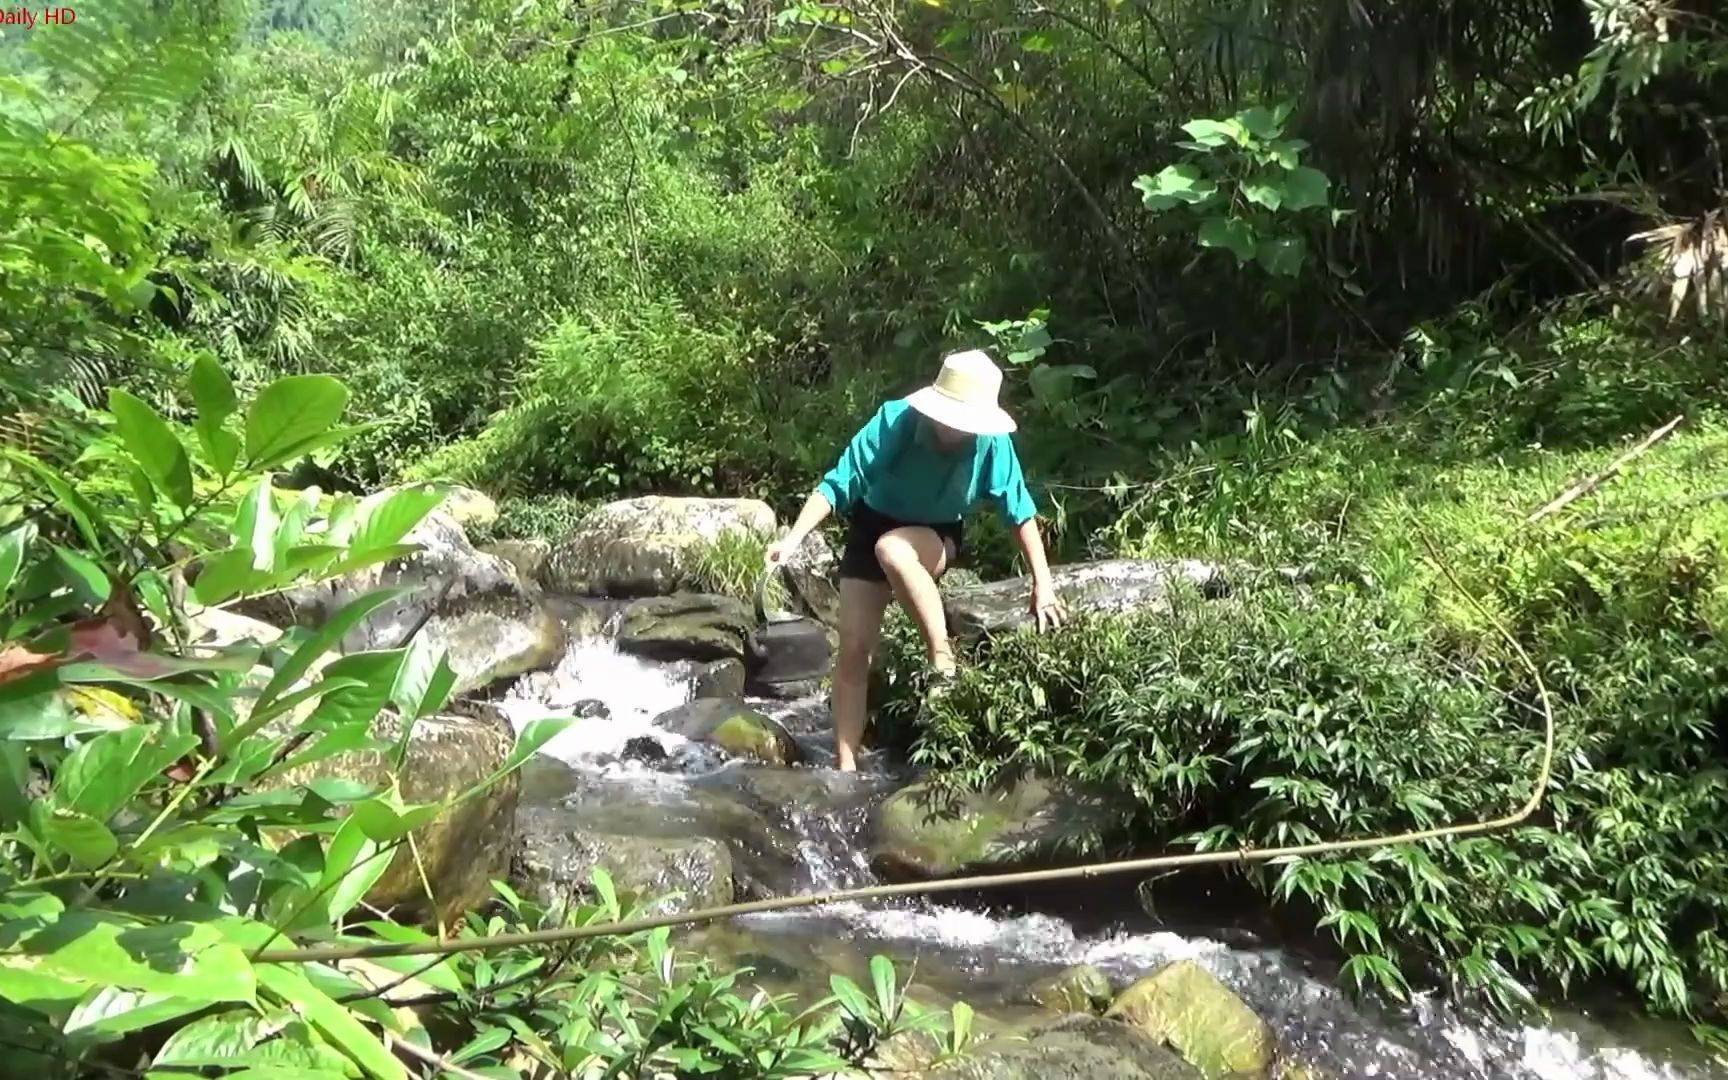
800, 830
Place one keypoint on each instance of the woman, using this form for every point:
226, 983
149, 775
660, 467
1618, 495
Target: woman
906, 481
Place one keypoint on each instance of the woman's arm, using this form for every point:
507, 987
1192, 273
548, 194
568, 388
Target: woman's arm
816, 510
1046, 605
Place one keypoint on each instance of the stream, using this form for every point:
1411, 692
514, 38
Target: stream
804, 829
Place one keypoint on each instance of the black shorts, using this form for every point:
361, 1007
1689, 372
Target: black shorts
867, 526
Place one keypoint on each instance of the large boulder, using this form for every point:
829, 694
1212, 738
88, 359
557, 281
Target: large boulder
647, 546
470, 603
926, 831
687, 626
1109, 587
812, 579
735, 728
1186, 1007
527, 556
463, 849
559, 853
1073, 1048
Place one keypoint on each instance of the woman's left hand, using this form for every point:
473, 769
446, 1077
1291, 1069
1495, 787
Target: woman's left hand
1047, 609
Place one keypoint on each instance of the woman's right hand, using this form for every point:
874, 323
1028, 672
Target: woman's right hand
781, 550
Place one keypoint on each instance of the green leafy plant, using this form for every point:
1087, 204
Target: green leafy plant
1244, 181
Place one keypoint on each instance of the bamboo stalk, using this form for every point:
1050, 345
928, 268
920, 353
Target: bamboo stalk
1584, 487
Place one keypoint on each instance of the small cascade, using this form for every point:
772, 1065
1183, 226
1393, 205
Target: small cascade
616, 695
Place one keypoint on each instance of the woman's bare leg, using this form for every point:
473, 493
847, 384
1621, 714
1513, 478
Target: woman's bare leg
914, 557
861, 606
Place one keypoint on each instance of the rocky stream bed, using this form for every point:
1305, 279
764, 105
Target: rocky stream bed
682, 778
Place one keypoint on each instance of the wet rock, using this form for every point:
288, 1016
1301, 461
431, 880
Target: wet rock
1074, 1048
591, 709
923, 831
1185, 1006
1110, 587
688, 626
735, 728
527, 556
645, 547
665, 874
463, 849
472, 604
646, 749
812, 578
1079, 989
582, 617
719, 679
788, 691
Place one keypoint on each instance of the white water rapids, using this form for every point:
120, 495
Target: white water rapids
985, 957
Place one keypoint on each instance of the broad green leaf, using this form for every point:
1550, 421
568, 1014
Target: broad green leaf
84, 839
276, 1045
1215, 133
384, 822
300, 662
153, 445
1267, 192
333, 1020
1306, 187
346, 740
962, 1023
423, 681
1283, 255
223, 575
41, 716
22, 985
887, 993
212, 390
1260, 122
85, 577
108, 1013
1184, 183
356, 705
388, 516
13, 547
105, 773
361, 561
289, 414
352, 865
850, 997
99, 949
255, 525
1233, 235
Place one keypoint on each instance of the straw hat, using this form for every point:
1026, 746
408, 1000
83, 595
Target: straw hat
964, 395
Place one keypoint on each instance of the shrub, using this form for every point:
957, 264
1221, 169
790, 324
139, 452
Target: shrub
1287, 717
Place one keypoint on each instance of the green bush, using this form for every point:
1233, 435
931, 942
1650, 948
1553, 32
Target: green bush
1287, 717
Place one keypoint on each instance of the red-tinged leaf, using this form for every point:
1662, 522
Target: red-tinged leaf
123, 611
18, 661
105, 641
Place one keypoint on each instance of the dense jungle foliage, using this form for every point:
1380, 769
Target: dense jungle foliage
1350, 285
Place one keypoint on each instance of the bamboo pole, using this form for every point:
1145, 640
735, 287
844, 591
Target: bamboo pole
1242, 856
1584, 487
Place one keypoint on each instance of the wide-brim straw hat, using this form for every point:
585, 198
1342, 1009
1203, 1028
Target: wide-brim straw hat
965, 395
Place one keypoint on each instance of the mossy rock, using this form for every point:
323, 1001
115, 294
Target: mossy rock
668, 874
688, 626
925, 831
1079, 989
1074, 1048
735, 728
1185, 1006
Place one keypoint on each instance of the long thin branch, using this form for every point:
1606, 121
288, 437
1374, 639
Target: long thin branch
1584, 487
421, 1053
